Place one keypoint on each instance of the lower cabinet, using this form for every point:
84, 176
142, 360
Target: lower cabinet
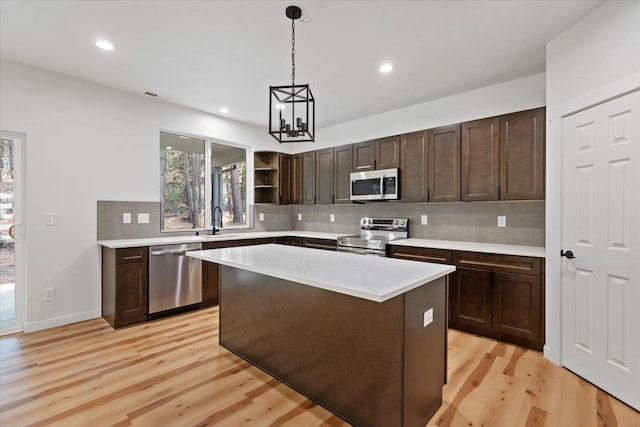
125, 285
498, 296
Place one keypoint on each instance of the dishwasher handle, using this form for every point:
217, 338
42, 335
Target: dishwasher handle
172, 251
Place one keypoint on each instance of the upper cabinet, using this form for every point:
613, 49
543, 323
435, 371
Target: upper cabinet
444, 164
388, 153
383, 153
284, 178
342, 164
480, 157
309, 178
497, 158
296, 179
414, 164
522, 155
503, 157
324, 176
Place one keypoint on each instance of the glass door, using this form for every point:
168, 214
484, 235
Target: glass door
10, 314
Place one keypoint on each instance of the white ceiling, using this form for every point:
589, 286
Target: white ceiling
209, 54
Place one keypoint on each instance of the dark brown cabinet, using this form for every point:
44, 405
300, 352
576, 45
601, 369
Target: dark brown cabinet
470, 305
284, 178
309, 178
296, 179
210, 283
522, 155
444, 164
324, 176
273, 177
383, 153
499, 296
414, 167
480, 160
387, 153
364, 156
125, 284
342, 164
325, 244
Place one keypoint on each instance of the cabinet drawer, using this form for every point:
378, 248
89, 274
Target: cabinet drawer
326, 244
440, 256
493, 262
127, 255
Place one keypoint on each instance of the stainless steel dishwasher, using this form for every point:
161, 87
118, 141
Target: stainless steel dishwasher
175, 280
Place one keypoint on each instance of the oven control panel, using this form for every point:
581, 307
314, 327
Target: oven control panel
391, 224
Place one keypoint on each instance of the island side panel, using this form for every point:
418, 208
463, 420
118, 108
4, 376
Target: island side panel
425, 352
343, 352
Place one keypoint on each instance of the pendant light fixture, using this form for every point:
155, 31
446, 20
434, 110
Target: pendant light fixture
292, 108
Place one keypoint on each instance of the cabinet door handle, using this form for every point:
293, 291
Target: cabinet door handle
125, 258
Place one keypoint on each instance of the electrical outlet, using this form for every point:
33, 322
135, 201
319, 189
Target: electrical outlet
50, 294
126, 218
427, 317
50, 219
299, 217
423, 219
502, 221
143, 218
332, 217
260, 216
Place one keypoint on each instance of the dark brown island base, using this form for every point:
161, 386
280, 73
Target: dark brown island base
371, 363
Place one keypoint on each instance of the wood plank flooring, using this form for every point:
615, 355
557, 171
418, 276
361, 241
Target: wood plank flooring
172, 372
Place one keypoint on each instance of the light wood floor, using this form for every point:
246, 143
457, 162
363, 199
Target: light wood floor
172, 372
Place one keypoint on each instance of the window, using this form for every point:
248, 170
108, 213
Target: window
197, 175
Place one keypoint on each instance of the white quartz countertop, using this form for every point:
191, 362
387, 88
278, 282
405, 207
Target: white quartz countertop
170, 240
494, 248
490, 248
364, 276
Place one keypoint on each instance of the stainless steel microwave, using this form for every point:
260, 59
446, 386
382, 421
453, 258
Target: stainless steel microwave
375, 185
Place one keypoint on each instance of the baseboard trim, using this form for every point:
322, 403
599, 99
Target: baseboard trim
61, 321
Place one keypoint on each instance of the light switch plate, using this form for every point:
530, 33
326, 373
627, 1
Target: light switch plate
299, 217
260, 216
502, 221
49, 219
423, 219
427, 317
143, 218
332, 217
126, 218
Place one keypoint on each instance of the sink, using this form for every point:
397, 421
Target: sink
215, 236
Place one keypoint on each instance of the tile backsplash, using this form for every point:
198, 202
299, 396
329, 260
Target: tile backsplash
471, 221
475, 222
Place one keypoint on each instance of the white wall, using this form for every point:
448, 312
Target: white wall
596, 59
515, 95
84, 143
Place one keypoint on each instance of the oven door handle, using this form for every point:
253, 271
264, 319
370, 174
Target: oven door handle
360, 251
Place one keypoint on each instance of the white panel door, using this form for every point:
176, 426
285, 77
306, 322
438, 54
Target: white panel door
601, 285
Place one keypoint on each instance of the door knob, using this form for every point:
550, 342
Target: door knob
567, 254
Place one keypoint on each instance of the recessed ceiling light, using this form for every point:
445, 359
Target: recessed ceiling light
385, 68
168, 147
224, 110
104, 45
183, 137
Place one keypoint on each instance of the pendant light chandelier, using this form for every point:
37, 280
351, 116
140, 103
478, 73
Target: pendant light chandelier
292, 115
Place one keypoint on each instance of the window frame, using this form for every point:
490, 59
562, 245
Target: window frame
208, 223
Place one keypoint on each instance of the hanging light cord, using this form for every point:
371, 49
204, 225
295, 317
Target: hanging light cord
293, 52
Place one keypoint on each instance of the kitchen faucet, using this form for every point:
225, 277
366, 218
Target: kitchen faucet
217, 228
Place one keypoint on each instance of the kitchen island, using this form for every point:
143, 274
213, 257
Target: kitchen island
363, 336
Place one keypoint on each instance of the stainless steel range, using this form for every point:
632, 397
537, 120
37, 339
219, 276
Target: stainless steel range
374, 235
